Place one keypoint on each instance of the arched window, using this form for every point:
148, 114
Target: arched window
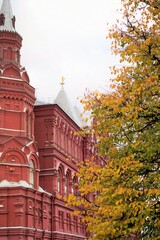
32, 168
75, 185
67, 184
27, 124
31, 121
60, 181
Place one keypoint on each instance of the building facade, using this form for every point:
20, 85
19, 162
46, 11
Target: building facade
38, 151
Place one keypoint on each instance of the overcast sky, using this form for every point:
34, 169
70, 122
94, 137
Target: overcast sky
66, 38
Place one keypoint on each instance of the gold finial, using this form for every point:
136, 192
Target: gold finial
62, 81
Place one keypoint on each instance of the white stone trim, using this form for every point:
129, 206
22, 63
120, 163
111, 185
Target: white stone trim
16, 79
70, 234
13, 130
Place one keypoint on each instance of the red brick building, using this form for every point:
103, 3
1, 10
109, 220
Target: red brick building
38, 151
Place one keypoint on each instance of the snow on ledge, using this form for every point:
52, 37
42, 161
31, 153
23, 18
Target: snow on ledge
43, 191
21, 183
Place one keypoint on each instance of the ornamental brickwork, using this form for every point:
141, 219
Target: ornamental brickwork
39, 149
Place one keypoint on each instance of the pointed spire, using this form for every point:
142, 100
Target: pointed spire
62, 81
7, 20
64, 103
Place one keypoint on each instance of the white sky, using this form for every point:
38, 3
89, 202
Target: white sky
66, 37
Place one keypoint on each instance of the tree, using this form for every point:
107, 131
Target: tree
126, 123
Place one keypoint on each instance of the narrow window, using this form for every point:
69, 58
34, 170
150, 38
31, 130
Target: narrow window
66, 185
31, 131
59, 182
13, 21
18, 56
1, 53
75, 220
39, 217
68, 222
27, 124
75, 186
32, 173
61, 219
2, 19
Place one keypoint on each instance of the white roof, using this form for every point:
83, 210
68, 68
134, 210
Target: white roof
64, 103
6, 9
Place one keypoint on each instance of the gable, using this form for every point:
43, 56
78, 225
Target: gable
11, 72
12, 143
25, 76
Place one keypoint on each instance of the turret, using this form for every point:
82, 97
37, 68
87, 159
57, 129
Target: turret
17, 96
18, 153
10, 40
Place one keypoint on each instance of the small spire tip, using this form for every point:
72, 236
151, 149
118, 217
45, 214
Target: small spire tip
62, 81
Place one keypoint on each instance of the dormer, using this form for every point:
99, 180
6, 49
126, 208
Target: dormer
2, 19
13, 21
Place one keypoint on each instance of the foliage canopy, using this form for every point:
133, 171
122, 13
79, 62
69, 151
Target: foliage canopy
126, 123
